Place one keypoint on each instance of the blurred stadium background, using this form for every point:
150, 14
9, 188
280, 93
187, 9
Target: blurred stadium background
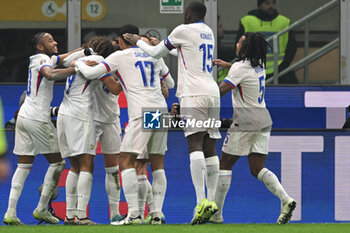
309, 151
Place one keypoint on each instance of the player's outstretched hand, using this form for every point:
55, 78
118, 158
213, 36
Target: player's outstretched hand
154, 40
221, 63
131, 38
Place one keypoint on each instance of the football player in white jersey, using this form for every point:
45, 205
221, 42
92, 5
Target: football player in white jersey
108, 132
139, 75
145, 193
35, 133
76, 132
249, 133
199, 99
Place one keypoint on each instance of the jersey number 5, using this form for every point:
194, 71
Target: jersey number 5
207, 49
261, 89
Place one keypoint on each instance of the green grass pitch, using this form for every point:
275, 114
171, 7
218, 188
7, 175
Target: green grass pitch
184, 228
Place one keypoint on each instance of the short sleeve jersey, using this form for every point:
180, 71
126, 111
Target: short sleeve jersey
139, 75
37, 103
78, 96
195, 45
248, 92
105, 107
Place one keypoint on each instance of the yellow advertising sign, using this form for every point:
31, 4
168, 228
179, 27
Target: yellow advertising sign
48, 10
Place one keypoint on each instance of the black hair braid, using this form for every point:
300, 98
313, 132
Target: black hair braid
254, 49
34, 41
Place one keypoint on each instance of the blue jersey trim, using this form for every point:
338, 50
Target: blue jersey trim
44, 66
168, 44
58, 59
105, 76
230, 83
106, 65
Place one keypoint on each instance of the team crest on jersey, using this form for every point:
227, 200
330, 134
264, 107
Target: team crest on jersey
151, 120
92, 147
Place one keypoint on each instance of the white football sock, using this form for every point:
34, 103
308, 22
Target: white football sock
149, 198
224, 183
142, 193
52, 177
112, 185
272, 184
212, 176
159, 185
197, 173
71, 194
17, 183
84, 193
130, 186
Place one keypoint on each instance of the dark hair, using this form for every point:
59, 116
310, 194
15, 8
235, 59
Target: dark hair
262, 1
128, 28
254, 49
102, 45
145, 36
198, 9
34, 41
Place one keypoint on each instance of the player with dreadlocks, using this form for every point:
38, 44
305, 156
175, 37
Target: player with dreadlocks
249, 133
76, 131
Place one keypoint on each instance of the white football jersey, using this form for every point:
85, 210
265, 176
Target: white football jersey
248, 94
37, 103
105, 107
195, 45
78, 95
139, 75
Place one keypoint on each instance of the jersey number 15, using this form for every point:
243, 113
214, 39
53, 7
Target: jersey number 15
207, 55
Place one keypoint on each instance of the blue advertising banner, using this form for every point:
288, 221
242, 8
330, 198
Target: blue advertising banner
290, 107
313, 166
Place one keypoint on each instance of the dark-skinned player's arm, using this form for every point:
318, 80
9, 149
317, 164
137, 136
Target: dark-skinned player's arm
56, 74
111, 83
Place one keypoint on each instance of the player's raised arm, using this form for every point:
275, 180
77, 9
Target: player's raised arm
60, 59
157, 51
75, 55
65, 55
90, 72
222, 63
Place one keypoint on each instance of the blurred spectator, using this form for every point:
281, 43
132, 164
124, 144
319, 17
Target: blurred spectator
225, 50
347, 122
4, 165
11, 124
267, 21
